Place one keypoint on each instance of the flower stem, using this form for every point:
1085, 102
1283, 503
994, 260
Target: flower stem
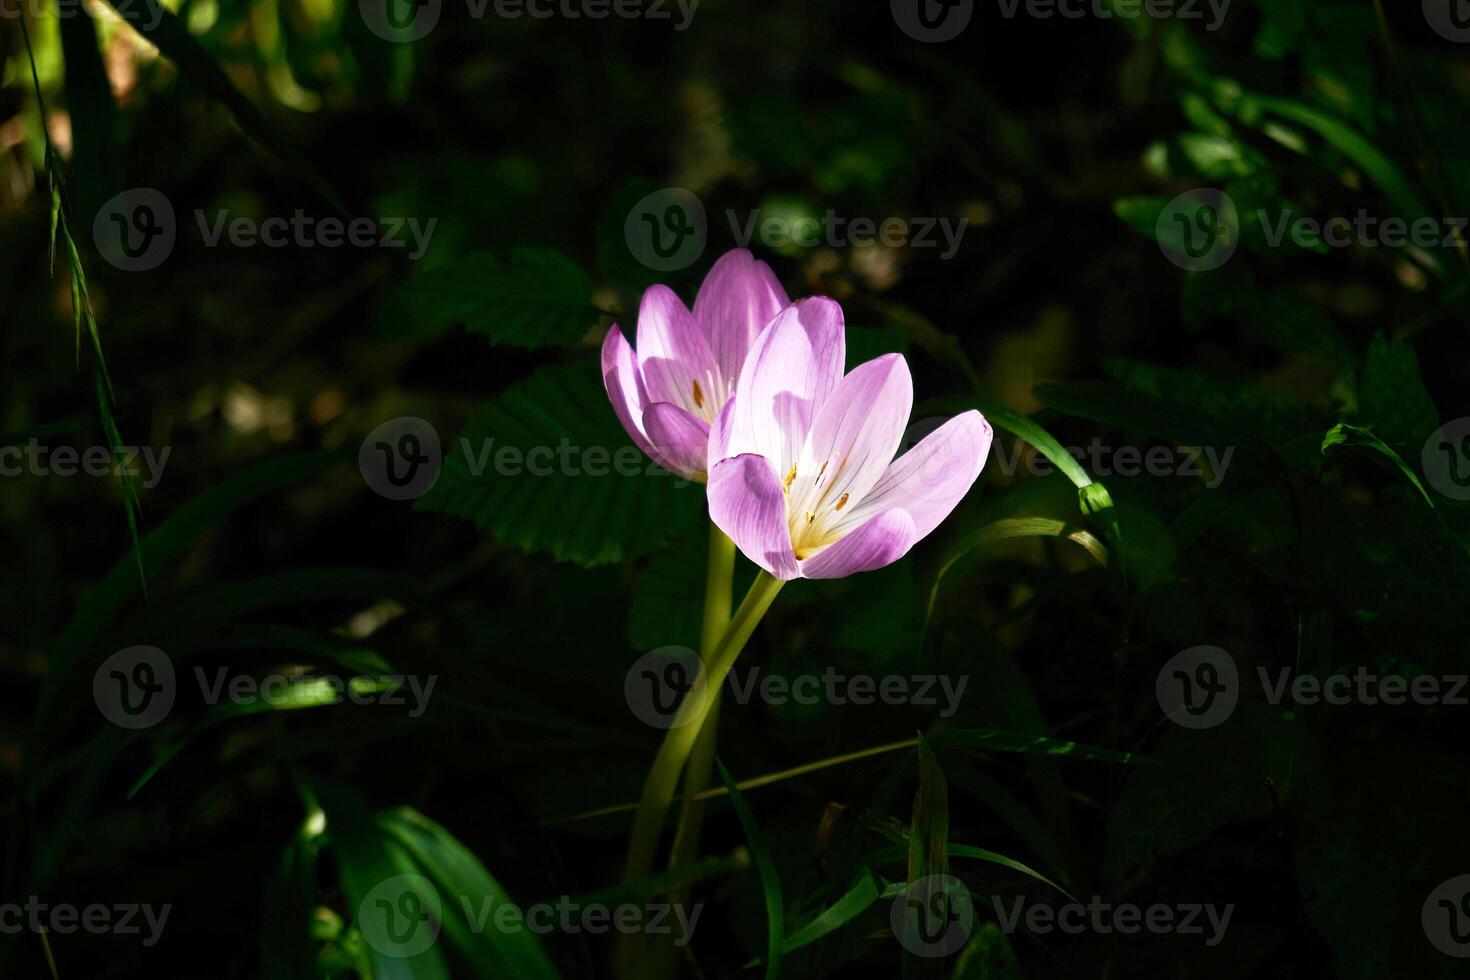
718, 579
678, 744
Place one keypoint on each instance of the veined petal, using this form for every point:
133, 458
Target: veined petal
882, 540
930, 480
679, 440
793, 367
738, 297
675, 357
850, 446
719, 435
747, 503
624, 384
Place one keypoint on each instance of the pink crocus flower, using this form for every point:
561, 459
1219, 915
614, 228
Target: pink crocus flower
802, 474
668, 392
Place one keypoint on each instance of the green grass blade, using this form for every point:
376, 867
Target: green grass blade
770, 881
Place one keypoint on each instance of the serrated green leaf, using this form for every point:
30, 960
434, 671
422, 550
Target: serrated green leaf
528, 297
628, 508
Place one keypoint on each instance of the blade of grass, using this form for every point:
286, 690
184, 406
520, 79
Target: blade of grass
770, 881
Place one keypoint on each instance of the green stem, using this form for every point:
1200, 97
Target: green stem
659, 957
718, 580
678, 744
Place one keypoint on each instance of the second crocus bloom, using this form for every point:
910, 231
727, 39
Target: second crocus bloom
802, 474
668, 391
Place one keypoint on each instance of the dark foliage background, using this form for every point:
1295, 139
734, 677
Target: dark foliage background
527, 141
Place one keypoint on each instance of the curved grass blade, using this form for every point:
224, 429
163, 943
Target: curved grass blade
1343, 436
468, 890
770, 882
1007, 529
994, 740
853, 903
1093, 498
894, 855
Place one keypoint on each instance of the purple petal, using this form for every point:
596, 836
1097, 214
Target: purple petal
747, 503
793, 366
719, 435
883, 540
678, 439
624, 384
850, 446
930, 479
738, 297
675, 357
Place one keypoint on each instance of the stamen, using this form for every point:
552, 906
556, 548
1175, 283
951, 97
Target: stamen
842, 502
810, 517
789, 477
698, 396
